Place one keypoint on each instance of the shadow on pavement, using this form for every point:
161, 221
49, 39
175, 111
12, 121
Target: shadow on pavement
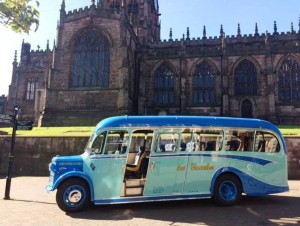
266, 210
31, 201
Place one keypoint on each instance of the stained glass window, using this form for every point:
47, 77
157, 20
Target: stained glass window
245, 79
203, 84
289, 80
164, 85
91, 61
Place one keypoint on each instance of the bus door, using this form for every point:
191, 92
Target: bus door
203, 160
167, 164
107, 167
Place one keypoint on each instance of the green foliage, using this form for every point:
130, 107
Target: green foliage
19, 15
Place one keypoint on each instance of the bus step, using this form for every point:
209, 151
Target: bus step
132, 183
134, 191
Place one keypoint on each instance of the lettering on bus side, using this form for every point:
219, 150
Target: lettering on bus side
194, 166
181, 168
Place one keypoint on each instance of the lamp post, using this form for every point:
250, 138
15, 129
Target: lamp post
11, 153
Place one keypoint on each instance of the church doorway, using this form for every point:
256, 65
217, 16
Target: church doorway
246, 109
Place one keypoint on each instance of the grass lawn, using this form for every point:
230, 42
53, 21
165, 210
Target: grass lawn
86, 131
290, 130
53, 131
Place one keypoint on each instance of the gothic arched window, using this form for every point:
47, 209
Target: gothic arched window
203, 84
31, 88
133, 7
91, 61
245, 79
164, 85
289, 80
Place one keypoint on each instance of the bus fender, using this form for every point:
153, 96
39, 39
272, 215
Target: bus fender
76, 174
223, 170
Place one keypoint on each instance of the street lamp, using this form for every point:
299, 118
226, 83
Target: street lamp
11, 153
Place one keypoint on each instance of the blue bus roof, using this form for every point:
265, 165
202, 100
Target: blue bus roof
184, 121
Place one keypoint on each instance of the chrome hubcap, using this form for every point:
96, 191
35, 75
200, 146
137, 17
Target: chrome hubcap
75, 196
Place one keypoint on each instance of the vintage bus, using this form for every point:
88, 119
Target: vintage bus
157, 158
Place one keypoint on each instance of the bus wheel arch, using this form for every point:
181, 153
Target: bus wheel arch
73, 194
227, 189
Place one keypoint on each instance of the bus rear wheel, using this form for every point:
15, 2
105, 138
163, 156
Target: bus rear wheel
227, 190
73, 195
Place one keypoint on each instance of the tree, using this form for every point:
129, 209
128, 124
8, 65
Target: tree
19, 15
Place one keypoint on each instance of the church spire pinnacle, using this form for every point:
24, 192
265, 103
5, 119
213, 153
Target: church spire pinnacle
239, 30
256, 30
62, 12
170, 35
204, 32
299, 25
15, 57
292, 28
275, 28
63, 5
188, 33
221, 31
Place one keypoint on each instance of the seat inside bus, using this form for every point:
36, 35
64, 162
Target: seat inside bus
137, 161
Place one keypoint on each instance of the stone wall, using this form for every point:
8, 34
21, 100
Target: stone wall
293, 147
32, 155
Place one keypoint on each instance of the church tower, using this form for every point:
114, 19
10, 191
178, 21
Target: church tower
95, 64
143, 16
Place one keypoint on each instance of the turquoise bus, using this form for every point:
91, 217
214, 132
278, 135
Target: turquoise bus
131, 159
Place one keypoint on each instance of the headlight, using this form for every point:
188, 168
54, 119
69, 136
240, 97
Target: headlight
52, 167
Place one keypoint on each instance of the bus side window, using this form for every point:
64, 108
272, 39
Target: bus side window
239, 140
266, 142
140, 138
208, 140
116, 142
167, 142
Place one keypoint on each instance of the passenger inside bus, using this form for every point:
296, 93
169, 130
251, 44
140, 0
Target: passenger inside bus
234, 145
123, 149
210, 146
162, 148
182, 146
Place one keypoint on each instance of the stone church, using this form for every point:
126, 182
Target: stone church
108, 59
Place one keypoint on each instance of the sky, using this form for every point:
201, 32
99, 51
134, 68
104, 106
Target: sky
175, 14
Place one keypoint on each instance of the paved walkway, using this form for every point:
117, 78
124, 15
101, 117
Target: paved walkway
31, 205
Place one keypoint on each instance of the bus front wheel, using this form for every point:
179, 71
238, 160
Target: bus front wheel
227, 190
73, 195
